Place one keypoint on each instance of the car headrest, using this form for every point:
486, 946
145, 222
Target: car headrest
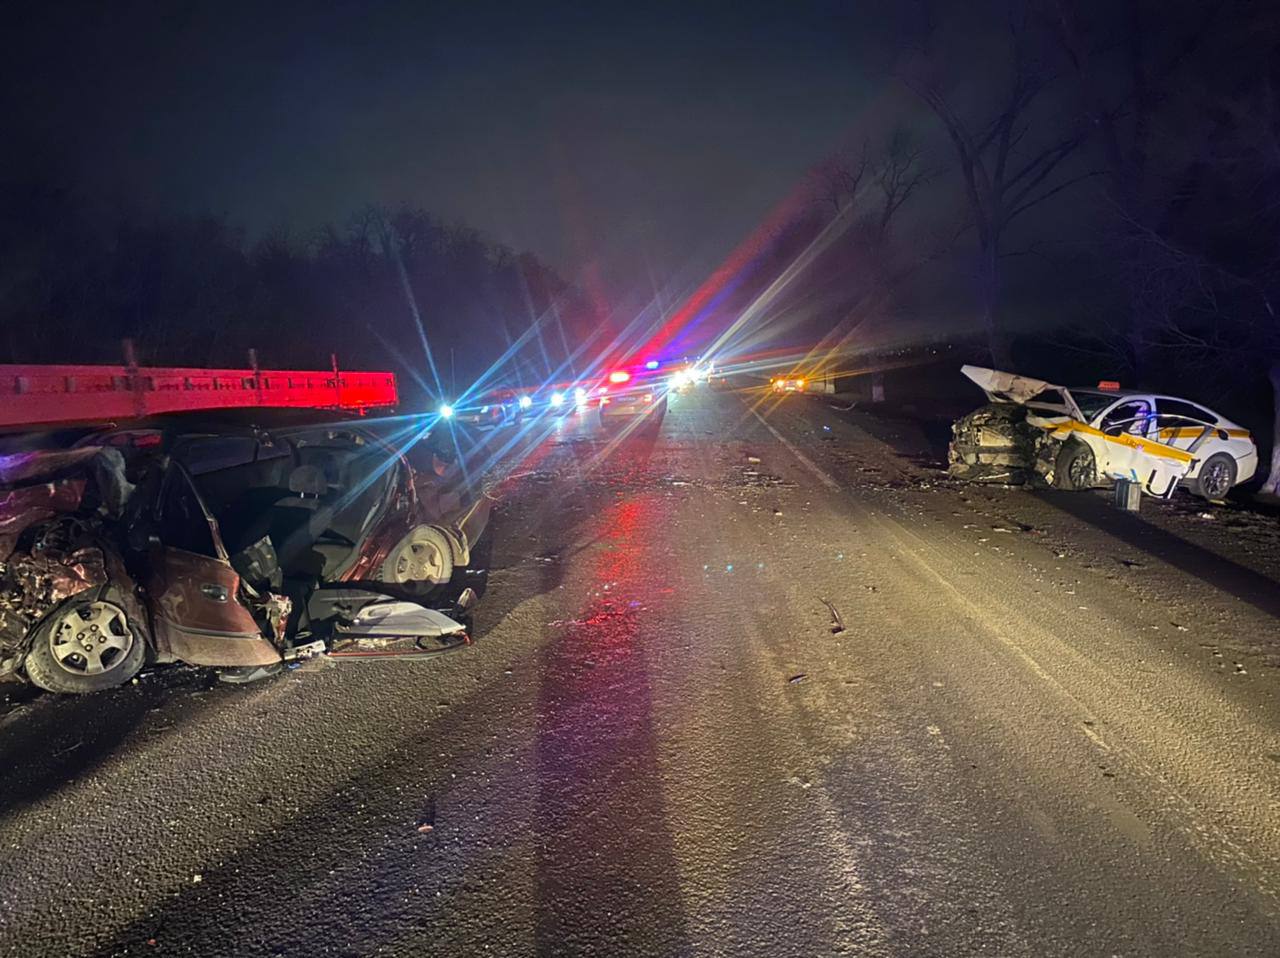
308, 481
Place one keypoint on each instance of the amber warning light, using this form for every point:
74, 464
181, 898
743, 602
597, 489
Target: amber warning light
619, 376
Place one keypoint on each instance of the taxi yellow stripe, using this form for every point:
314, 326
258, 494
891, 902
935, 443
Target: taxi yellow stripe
1125, 439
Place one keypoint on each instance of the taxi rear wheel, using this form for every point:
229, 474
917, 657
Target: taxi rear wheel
1217, 476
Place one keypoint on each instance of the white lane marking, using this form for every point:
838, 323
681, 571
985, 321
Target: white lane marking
805, 461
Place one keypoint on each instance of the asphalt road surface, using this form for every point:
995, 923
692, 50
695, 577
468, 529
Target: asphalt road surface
762, 684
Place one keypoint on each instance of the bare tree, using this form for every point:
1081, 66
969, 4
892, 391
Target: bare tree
898, 174
838, 179
1003, 173
859, 271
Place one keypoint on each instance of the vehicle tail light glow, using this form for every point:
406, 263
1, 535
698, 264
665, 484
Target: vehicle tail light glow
619, 376
648, 397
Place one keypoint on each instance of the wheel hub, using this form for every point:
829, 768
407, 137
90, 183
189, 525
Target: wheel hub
418, 560
91, 638
1215, 482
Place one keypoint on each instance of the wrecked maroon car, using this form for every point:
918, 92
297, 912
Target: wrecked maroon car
237, 548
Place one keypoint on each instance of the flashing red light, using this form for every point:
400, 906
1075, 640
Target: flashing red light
1109, 385
619, 376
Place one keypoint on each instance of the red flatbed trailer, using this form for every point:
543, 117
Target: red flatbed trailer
48, 395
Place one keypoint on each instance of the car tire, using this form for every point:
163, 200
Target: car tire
1216, 477
1075, 468
64, 656
423, 558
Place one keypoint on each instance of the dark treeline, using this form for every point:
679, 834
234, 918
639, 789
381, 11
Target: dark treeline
76, 279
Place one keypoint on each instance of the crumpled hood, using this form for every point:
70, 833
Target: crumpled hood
1006, 387
1010, 387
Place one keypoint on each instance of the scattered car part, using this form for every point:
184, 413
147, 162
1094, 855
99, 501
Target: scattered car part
244, 674
394, 619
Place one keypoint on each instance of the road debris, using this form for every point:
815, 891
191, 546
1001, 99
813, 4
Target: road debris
837, 623
798, 677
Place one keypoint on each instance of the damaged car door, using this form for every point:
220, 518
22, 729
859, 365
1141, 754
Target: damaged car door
196, 596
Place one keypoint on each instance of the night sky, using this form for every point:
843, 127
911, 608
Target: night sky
635, 142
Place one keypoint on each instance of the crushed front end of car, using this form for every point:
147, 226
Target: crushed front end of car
994, 443
58, 556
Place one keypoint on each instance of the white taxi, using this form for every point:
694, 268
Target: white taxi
1104, 432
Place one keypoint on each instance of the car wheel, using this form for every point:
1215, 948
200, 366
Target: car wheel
423, 556
1217, 476
86, 644
1075, 467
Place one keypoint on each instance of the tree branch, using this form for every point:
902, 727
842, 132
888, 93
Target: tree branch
1050, 192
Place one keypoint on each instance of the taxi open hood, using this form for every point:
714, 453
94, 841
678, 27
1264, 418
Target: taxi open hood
1024, 390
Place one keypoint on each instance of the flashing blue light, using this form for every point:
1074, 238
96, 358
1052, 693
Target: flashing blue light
651, 364
557, 399
525, 402
446, 411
